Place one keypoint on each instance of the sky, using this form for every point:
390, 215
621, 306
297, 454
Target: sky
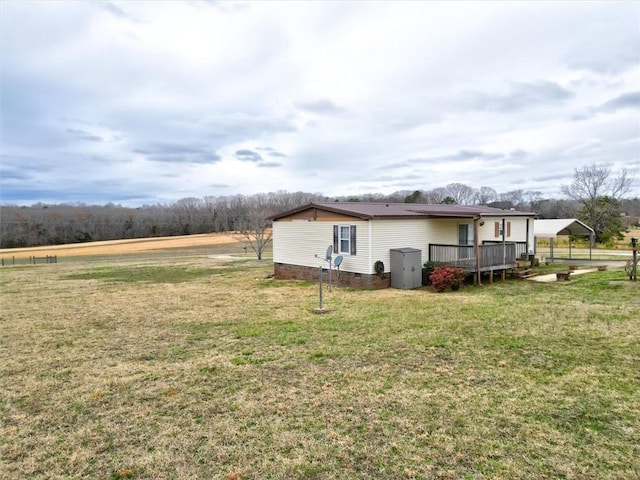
148, 102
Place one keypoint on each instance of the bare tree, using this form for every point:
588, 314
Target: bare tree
461, 193
187, 211
599, 191
253, 226
554, 208
437, 195
532, 199
486, 195
512, 199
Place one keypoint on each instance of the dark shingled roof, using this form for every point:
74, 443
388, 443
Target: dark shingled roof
368, 211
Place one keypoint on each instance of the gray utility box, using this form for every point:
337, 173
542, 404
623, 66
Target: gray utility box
406, 268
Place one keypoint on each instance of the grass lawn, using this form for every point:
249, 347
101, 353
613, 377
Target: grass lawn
200, 368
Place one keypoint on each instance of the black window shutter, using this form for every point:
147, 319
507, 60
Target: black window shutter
335, 239
353, 239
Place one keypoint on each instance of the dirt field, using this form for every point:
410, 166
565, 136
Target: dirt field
121, 247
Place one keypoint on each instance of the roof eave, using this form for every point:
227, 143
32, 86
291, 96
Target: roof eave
507, 214
320, 207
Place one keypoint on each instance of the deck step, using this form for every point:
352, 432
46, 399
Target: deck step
522, 273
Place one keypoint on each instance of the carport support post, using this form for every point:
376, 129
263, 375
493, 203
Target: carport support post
569, 246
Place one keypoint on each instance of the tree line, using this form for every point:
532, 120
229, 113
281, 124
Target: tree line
42, 224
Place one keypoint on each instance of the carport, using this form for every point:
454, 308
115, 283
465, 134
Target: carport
562, 226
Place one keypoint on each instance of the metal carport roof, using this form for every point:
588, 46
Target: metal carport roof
560, 226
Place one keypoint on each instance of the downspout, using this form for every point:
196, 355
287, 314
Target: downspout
476, 245
369, 246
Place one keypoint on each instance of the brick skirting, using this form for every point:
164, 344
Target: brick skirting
285, 271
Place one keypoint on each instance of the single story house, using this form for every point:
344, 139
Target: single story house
476, 238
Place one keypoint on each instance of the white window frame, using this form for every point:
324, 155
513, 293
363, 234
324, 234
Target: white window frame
347, 239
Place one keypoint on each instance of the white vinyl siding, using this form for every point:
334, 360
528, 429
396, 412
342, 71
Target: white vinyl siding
443, 231
298, 243
517, 230
414, 233
388, 234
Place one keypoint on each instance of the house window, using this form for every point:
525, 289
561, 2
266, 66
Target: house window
465, 234
465, 240
344, 239
500, 228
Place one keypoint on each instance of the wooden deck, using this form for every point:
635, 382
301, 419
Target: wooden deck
493, 256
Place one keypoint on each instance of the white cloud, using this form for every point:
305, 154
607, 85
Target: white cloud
154, 100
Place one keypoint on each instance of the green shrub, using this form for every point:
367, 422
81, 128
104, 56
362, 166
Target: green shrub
427, 270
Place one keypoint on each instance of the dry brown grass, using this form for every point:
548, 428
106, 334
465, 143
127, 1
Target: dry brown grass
120, 247
219, 372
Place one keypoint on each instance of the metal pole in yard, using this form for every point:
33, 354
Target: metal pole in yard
320, 286
634, 267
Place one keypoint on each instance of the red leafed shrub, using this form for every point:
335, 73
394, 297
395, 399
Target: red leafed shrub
443, 278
